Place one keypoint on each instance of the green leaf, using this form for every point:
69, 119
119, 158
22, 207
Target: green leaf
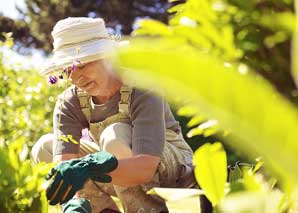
263, 124
258, 166
235, 174
118, 203
294, 50
211, 171
179, 200
176, 8
195, 120
206, 128
44, 202
282, 21
187, 110
193, 132
152, 27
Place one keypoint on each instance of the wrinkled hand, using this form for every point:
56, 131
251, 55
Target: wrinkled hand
68, 177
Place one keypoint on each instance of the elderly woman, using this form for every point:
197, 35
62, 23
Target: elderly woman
135, 142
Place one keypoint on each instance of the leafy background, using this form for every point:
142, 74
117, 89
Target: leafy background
225, 66
202, 52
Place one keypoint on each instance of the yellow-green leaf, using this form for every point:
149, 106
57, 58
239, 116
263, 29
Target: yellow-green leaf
195, 120
153, 27
179, 200
211, 171
118, 203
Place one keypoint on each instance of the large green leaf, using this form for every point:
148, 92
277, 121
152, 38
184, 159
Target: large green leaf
261, 121
179, 200
211, 171
295, 47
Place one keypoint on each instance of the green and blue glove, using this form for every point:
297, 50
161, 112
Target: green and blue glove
77, 205
68, 177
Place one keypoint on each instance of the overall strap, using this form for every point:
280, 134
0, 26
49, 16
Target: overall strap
84, 100
124, 103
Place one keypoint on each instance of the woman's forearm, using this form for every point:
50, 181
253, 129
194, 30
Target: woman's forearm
135, 170
130, 171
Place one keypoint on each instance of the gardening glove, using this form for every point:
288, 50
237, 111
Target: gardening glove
68, 177
77, 205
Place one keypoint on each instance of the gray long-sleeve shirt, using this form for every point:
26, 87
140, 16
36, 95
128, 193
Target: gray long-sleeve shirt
149, 115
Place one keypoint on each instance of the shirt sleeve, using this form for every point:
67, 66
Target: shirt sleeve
148, 123
68, 122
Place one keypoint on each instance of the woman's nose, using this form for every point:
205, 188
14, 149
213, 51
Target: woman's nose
77, 78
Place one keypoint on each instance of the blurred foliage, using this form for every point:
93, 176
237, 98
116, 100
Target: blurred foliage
247, 31
213, 51
250, 32
294, 49
21, 33
255, 196
21, 183
26, 104
39, 17
263, 31
218, 72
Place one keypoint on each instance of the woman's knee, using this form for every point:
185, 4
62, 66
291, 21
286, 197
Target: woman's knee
116, 139
42, 150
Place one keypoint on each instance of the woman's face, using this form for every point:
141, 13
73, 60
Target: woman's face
92, 77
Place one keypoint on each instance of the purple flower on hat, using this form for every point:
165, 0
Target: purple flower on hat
52, 79
73, 67
74, 64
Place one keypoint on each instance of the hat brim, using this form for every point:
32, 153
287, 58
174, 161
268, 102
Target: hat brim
82, 52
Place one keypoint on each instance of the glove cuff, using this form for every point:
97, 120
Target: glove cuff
77, 205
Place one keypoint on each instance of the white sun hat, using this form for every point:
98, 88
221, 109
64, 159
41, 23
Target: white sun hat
78, 39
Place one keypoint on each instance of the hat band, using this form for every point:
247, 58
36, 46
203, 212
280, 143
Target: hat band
71, 45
